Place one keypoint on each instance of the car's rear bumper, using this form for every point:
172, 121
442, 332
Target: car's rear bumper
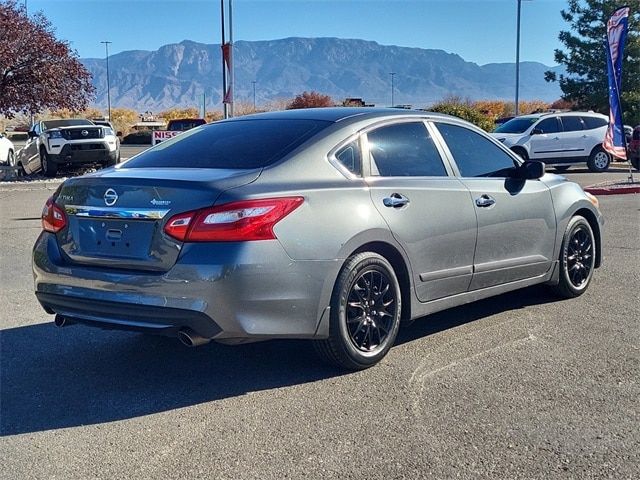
243, 291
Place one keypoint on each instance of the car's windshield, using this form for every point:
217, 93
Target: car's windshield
516, 125
69, 122
237, 144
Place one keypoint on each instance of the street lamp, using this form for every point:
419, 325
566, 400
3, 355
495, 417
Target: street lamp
518, 57
254, 94
106, 48
392, 75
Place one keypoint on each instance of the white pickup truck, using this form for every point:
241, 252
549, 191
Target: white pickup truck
74, 141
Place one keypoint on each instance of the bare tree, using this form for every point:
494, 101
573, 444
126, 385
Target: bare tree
37, 71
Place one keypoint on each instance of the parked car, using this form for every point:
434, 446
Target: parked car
7, 151
112, 131
175, 127
73, 141
560, 139
633, 148
327, 224
628, 132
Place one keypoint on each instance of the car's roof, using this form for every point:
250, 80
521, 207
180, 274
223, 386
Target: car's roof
546, 114
336, 114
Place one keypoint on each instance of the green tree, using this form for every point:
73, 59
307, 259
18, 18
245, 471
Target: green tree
464, 109
584, 83
37, 71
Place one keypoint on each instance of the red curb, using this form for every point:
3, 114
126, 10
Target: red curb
597, 190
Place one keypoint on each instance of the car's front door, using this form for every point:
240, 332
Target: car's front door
516, 220
428, 211
546, 142
29, 155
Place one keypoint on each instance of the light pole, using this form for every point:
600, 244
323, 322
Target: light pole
106, 48
254, 94
392, 75
518, 58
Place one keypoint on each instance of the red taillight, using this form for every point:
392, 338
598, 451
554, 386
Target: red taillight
53, 217
233, 222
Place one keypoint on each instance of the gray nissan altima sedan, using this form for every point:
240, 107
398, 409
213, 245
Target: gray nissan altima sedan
333, 225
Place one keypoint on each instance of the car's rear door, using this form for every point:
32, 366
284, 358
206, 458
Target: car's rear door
575, 138
428, 211
516, 219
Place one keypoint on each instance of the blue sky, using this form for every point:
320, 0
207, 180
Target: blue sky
480, 31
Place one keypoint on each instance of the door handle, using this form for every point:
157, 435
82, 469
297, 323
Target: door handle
485, 201
395, 200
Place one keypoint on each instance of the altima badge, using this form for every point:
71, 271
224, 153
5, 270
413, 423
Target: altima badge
110, 197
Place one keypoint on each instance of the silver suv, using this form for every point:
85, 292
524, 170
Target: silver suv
560, 139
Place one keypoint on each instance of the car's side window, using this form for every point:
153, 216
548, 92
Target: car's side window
349, 156
572, 124
405, 149
475, 155
593, 122
548, 125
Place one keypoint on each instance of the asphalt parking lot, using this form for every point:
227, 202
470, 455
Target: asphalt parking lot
521, 386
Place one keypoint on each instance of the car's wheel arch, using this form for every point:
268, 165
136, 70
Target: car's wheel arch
400, 266
590, 217
385, 248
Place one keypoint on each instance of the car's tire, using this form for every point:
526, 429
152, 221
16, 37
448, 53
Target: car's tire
11, 159
635, 162
599, 160
365, 313
49, 168
577, 259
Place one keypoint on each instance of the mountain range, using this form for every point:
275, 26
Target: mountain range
178, 75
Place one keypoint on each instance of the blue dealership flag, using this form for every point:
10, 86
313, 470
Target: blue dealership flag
614, 141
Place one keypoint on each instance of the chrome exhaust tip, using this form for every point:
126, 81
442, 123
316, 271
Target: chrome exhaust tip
190, 338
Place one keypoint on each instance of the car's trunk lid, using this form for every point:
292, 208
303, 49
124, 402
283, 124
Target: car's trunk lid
116, 218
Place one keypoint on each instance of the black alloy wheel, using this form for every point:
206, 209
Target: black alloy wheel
365, 313
577, 259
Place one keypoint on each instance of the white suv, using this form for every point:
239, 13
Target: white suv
558, 139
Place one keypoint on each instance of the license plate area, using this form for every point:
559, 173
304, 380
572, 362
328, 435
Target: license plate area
115, 237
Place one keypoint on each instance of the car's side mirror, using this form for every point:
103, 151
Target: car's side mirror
32, 134
531, 170
536, 131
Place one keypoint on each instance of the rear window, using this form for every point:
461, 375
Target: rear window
235, 144
186, 124
594, 122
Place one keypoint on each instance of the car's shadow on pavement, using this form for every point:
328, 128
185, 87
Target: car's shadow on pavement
52, 378
454, 317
